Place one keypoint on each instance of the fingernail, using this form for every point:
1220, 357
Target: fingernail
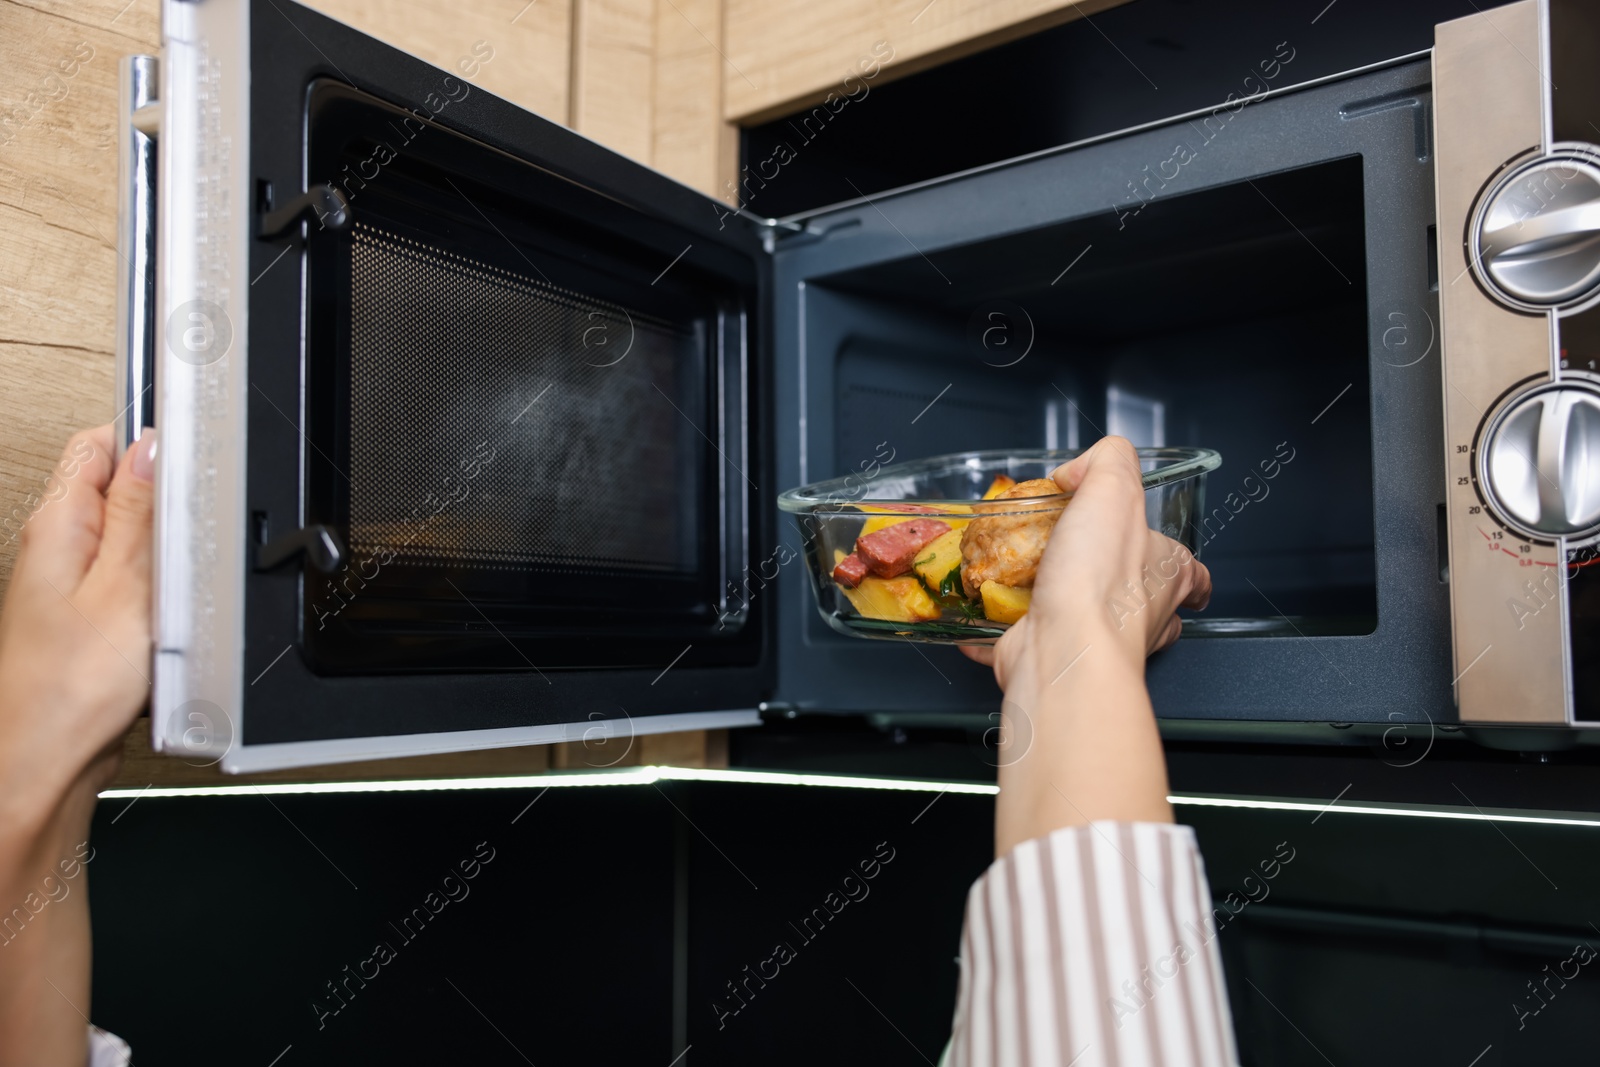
143, 464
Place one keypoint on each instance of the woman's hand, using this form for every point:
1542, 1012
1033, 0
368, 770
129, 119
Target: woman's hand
74, 671
1106, 578
1078, 735
75, 633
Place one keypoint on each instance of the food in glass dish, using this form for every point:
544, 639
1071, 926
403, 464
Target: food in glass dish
908, 569
947, 549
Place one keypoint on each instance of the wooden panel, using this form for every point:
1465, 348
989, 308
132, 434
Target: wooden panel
692, 142
613, 74
691, 748
58, 171
58, 285
528, 43
138, 21
784, 55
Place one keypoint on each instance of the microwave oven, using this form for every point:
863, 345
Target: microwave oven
472, 428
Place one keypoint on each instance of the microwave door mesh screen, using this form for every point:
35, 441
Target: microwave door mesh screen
499, 421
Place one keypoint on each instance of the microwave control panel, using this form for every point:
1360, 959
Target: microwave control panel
1518, 197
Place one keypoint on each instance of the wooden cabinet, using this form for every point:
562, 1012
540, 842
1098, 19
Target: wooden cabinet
58, 170
787, 55
528, 44
663, 81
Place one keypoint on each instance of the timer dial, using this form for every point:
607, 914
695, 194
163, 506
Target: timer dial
1539, 461
1536, 233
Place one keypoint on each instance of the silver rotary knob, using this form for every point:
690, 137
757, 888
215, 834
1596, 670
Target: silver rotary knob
1539, 462
1535, 237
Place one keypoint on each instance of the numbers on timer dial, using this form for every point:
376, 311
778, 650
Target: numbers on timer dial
1496, 539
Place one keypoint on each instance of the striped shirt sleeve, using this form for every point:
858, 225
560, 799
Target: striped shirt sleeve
1093, 947
107, 1049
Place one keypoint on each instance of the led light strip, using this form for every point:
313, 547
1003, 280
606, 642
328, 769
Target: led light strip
629, 776
1370, 809
650, 775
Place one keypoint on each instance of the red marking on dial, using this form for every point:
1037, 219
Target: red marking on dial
1537, 562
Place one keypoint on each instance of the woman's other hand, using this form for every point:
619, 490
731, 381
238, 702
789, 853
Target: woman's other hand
74, 671
75, 632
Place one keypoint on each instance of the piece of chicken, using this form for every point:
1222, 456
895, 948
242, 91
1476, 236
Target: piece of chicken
1006, 548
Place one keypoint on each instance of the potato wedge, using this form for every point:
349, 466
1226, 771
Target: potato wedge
1004, 603
899, 599
891, 599
879, 521
1001, 483
936, 563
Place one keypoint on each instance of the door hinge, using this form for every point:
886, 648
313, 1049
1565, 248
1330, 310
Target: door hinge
324, 203
769, 230
317, 543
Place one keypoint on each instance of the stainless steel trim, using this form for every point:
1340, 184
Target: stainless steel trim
1548, 147
201, 330
1507, 593
1547, 109
1564, 597
136, 246
349, 750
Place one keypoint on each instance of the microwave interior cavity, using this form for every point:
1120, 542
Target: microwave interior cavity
1233, 318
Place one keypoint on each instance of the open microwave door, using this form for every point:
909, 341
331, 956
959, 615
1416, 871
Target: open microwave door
459, 412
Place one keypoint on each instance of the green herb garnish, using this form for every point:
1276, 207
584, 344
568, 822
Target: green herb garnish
951, 585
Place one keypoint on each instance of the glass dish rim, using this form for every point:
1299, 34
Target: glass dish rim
839, 493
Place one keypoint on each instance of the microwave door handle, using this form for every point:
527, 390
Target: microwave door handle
138, 123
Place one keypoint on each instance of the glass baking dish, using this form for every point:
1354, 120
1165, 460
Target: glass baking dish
959, 568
